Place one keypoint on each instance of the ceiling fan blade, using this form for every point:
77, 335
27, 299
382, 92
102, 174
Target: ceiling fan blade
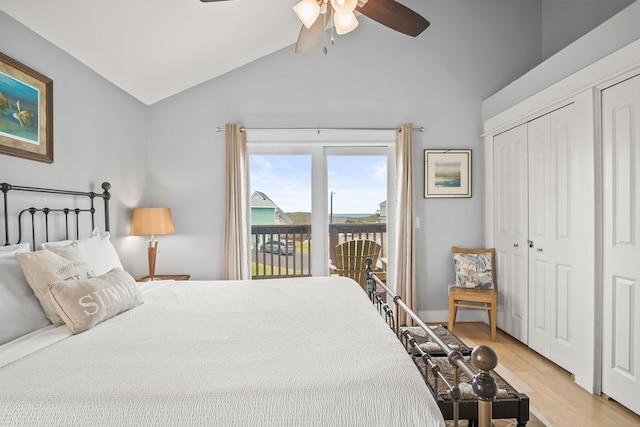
310, 37
211, 1
395, 16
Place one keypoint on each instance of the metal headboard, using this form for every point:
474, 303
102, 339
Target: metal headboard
74, 211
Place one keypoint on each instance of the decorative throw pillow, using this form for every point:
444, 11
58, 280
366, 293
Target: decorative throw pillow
97, 250
473, 270
41, 268
83, 304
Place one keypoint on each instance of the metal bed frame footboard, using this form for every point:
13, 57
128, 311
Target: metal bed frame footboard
75, 211
483, 357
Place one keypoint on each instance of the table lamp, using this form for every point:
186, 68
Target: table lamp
151, 222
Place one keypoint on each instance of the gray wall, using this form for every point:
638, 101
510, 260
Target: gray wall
372, 77
170, 154
565, 21
100, 132
608, 37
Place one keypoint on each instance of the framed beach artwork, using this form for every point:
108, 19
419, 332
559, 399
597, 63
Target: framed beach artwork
447, 173
26, 112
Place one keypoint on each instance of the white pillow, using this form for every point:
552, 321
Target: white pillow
83, 304
60, 243
41, 268
97, 250
20, 311
101, 254
11, 250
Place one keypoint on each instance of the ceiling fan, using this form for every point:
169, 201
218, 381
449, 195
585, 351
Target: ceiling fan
318, 15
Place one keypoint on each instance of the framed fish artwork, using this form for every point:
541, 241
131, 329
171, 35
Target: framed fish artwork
26, 112
447, 173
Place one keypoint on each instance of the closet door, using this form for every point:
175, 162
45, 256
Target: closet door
556, 263
621, 243
510, 226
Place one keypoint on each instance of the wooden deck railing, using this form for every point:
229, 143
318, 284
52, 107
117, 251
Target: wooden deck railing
268, 265
273, 264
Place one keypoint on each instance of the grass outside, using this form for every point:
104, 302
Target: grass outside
268, 270
303, 247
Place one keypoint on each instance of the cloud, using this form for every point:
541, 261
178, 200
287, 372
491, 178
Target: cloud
359, 182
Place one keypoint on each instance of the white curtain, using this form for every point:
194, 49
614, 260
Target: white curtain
405, 275
235, 252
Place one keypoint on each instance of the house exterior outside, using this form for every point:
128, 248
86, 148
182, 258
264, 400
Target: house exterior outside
264, 211
382, 212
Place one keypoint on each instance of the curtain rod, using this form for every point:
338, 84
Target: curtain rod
415, 129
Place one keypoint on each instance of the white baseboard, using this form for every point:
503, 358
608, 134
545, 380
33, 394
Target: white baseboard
464, 315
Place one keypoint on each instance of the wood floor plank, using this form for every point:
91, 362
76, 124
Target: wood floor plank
553, 393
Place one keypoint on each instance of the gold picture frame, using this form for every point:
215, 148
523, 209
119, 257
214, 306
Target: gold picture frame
26, 112
447, 173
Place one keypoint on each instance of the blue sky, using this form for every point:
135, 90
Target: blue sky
359, 182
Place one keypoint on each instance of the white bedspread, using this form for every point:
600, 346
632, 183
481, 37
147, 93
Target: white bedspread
293, 352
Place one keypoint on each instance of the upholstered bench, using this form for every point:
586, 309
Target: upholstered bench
509, 403
427, 345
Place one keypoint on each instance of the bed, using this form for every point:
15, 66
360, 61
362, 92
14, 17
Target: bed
298, 352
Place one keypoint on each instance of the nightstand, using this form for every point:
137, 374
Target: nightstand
166, 277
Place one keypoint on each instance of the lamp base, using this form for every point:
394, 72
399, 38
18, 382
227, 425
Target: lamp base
153, 250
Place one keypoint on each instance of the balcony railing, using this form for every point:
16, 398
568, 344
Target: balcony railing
268, 262
339, 233
271, 262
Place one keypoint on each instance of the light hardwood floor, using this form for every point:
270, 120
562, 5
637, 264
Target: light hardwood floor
551, 389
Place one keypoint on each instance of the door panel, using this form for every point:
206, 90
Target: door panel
556, 265
563, 324
621, 235
541, 200
570, 241
511, 228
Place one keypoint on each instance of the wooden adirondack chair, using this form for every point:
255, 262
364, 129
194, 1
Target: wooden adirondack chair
350, 260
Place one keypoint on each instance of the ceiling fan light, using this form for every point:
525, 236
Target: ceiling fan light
344, 6
308, 11
344, 22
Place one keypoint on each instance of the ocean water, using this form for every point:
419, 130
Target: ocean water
448, 183
353, 215
14, 91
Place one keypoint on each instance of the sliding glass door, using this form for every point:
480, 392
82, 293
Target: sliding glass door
307, 196
357, 185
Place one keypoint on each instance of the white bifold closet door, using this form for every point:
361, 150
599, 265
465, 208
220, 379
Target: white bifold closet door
539, 239
511, 230
558, 271
621, 242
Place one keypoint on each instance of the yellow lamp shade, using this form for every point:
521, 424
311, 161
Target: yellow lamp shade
151, 221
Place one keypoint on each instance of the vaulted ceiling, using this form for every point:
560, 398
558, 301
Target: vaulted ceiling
153, 49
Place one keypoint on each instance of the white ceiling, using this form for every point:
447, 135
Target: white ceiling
153, 49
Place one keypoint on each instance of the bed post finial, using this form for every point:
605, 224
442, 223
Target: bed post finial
106, 196
484, 385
